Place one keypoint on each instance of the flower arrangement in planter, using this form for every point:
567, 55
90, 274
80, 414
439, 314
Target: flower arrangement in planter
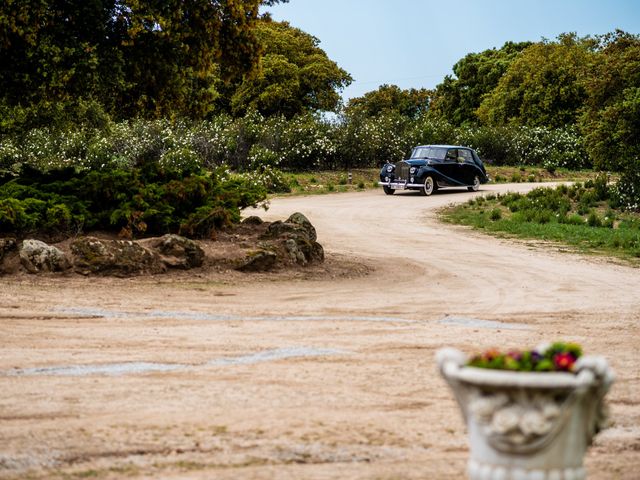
555, 357
531, 414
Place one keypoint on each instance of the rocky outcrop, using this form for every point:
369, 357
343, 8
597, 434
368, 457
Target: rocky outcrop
252, 220
299, 219
177, 252
259, 261
7, 245
285, 243
114, 257
252, 246
38, 257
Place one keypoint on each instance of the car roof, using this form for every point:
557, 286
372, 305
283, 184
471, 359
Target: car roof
442, 146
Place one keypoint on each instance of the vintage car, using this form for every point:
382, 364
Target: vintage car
432, 167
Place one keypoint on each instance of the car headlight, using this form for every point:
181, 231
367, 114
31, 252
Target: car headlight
389, 168
412, 170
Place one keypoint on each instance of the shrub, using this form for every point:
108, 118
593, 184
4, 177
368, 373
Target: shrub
125, 201
593, 220
496, 214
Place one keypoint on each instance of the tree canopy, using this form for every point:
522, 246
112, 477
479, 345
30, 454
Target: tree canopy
294, 75
611, 118
391, 98
476, 75
543, 86
134, 58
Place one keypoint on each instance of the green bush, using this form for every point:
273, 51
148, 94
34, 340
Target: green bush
132, 202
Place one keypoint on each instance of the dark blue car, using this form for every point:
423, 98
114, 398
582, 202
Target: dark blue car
432, 167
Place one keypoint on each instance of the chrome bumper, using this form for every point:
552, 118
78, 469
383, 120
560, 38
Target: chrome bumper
400, 185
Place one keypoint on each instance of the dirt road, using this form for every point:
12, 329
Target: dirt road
328, 375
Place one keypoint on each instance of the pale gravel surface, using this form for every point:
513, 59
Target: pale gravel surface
359, 397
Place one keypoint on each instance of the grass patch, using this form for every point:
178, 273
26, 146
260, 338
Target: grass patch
582, 216
319, 182
537, 174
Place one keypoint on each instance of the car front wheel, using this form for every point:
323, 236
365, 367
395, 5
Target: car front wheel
476, 184
388, 190
429, 186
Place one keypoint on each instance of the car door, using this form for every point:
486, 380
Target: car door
468, 166
451, 169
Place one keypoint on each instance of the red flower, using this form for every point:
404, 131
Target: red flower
491, 354
515, 354
564, 361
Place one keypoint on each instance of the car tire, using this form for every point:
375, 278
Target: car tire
476, 184
388, 190
429, 186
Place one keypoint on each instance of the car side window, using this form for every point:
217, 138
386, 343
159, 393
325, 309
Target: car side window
466, 154
452, 155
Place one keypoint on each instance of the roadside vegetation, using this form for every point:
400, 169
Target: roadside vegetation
585, 216
91, 139
330, 181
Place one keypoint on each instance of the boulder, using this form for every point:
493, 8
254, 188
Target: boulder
284, 229
294, 240
7, 245
177, 252
259, 261
252, 220
38, 257
299, 219
114, 257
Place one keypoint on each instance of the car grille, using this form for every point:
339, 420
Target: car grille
402, 170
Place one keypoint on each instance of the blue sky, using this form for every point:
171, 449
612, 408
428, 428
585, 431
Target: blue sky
414, 43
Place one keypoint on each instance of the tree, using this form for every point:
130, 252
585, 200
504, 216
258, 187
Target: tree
543, 86
390, 98
611, 118
133, 57
476, 75
295, 75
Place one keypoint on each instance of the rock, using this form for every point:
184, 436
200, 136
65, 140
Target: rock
259, 261
285, 229
7, 245
294, 240
114, 257
252, 220
9, 258
178, 252
37, 257
299, 219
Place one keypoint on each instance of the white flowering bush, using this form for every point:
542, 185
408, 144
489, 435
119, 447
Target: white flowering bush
372, 141
306, 142
627, 190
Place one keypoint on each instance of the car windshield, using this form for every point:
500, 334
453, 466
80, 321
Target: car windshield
437, 153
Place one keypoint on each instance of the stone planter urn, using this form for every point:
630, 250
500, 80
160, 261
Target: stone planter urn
528, 425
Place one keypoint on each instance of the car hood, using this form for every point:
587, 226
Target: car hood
416, 162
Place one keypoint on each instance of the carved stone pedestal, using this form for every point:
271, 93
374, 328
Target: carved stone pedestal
528, 425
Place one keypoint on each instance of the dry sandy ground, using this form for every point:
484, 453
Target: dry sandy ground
324, 375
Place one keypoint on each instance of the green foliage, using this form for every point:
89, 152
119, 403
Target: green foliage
578, 215
611, 119
476, 75
133, 202
543, 86
559, 356
627, 190
132, 58
410, 103
295, 75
